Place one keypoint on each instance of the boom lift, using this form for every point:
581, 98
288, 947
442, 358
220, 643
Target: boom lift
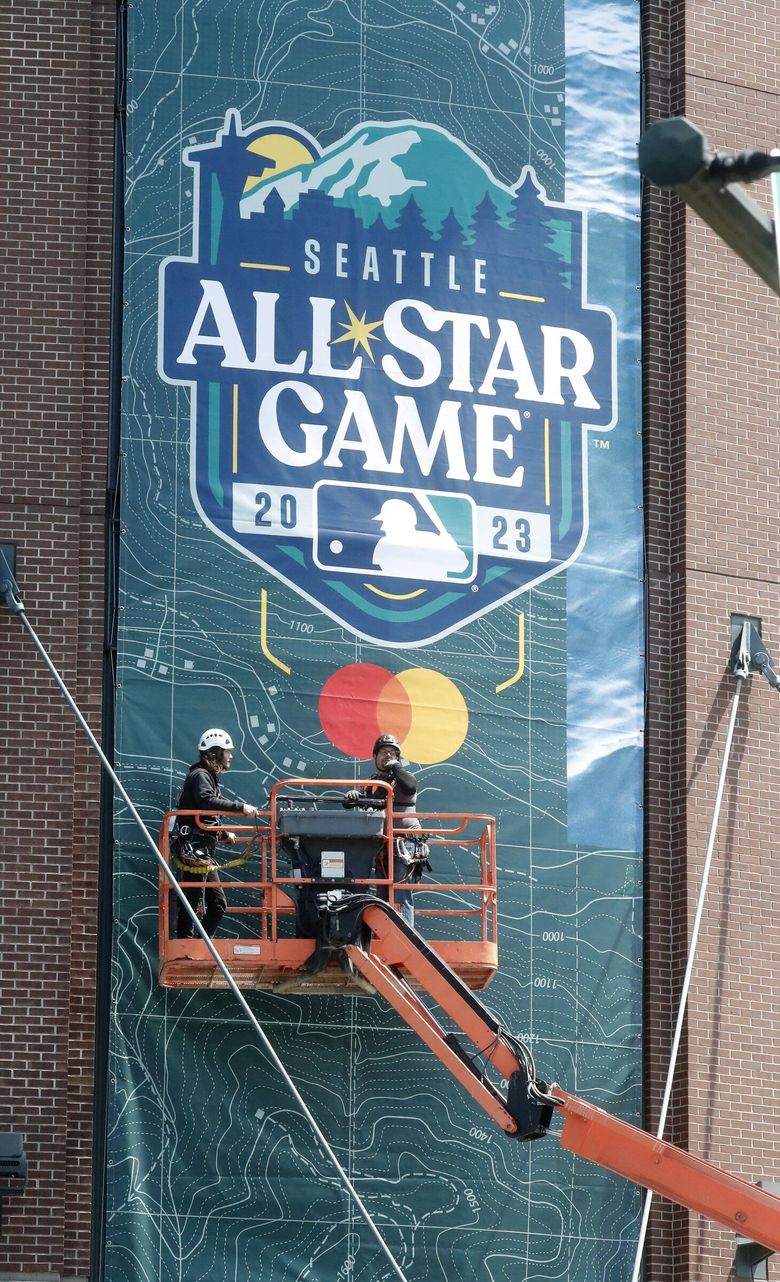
348, 937
304, 845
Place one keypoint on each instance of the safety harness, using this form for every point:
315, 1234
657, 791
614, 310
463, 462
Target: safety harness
185, 859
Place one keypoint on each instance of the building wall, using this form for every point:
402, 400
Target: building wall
664, 365
55, 229
711, 403
711, 394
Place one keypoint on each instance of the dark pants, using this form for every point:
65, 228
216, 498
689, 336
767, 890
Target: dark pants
216, 904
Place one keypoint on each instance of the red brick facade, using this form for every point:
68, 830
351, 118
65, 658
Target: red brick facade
711, 486
55, 229
712, 502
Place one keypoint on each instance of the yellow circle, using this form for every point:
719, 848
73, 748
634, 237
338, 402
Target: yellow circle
440, 718
283, 151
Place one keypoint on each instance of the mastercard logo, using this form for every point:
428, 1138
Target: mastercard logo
423, 709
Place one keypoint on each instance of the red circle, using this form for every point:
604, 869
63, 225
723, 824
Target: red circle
348, 707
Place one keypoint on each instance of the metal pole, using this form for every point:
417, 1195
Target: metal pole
16, 607
740, 680
674, 153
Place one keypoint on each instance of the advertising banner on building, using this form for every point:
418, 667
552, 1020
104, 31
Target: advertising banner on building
382, 475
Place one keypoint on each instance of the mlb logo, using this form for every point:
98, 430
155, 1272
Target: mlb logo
394, 533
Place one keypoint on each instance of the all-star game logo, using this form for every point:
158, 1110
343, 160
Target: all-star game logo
393, 368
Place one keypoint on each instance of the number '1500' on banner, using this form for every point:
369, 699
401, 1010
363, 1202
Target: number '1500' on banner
393, 368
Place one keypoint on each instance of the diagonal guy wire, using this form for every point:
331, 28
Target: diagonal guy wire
12, 600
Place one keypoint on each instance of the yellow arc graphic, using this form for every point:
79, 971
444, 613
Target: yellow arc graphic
395, 596
263, 634
521, 656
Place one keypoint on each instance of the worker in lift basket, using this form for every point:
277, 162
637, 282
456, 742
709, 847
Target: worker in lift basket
193, 848
410, 856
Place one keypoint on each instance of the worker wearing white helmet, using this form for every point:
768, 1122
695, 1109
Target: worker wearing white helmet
215, 739
193, 848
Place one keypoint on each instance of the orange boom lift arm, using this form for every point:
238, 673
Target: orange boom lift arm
524, 1105
363, 944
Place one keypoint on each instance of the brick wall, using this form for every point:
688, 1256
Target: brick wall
664, 271
712, 488
55, 234
662, 684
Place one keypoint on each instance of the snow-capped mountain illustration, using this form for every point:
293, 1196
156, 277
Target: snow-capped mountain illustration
377, 168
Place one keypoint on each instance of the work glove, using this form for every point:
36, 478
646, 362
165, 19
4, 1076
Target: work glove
250, 811
419, 865
353, 796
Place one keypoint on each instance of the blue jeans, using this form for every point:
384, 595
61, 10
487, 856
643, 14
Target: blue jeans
404, 899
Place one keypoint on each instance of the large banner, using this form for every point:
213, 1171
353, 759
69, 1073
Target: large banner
382, 453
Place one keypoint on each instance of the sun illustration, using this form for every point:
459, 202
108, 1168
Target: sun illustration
360, 331
283, 151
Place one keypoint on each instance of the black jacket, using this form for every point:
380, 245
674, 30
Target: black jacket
404, 788
200, 791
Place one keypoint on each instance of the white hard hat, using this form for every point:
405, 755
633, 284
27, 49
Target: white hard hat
214, 739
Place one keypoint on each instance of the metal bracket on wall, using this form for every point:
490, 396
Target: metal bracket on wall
750, 1257
8, 590
748, 651
13, 1167
739, 620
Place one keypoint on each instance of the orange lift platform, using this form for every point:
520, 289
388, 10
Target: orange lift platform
307, 844
321, 922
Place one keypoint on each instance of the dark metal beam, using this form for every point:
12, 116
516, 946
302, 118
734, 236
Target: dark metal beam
674, 153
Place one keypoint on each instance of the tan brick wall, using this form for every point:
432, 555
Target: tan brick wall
712, 378
55, 235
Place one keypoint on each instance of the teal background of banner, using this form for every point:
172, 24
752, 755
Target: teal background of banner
211, 1172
